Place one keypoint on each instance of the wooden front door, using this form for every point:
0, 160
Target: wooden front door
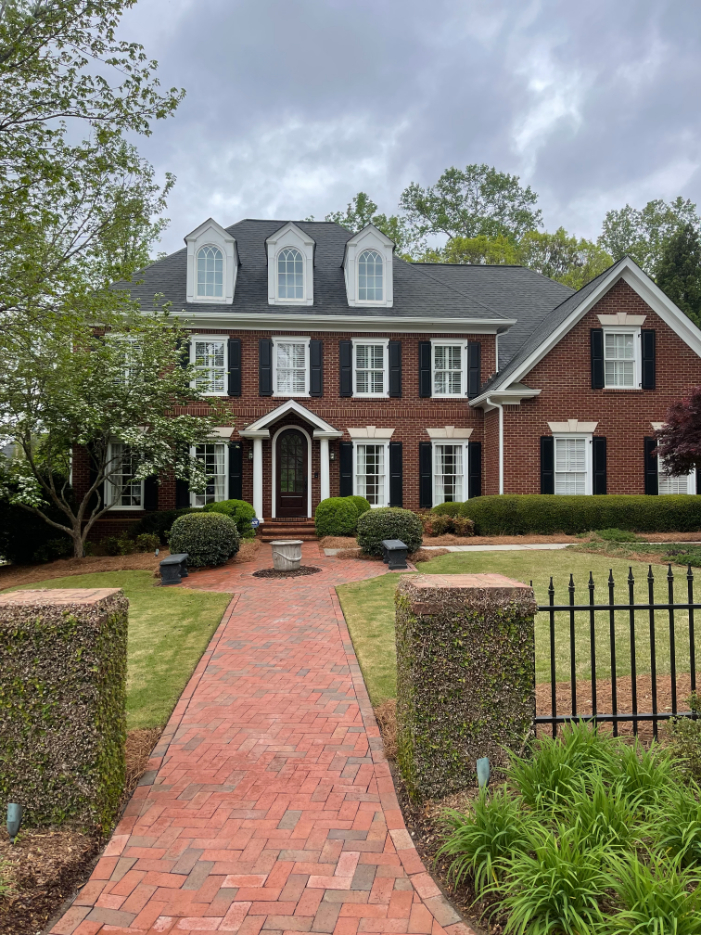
291, 457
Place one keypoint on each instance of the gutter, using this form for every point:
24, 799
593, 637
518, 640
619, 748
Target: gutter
500, 407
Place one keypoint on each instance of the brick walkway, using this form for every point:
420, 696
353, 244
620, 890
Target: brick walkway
269, 807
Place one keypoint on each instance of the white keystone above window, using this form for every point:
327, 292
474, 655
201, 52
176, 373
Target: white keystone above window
573, 426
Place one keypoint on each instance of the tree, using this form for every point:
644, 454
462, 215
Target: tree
679, 271
362, 210
643, 234
73, 388
478, 250
679, 439
562, 257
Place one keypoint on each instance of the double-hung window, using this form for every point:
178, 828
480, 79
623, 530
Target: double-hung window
622, 358
123, 492
674, 483
213, 456
370, 472
370, 377
573, 464
449, 472
291, 363
448, 360
208, 354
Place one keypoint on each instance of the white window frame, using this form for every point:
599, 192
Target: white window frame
211, 337
690, 480
372, 441
637, 359
290, 237
369, 248
457, 443
589, 466
193, 494
111, 490
282, 339
372, 342
437, 342
285, 300
219, 299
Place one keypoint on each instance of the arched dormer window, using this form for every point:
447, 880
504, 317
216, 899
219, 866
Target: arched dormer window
290, 274
370, 276
210, 272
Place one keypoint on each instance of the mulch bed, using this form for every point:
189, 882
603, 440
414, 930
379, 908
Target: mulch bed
295, 573
45, 867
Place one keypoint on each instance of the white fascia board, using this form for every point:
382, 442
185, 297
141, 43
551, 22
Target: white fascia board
507, 397
290, 406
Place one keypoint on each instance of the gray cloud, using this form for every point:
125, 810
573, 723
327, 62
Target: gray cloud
294, 105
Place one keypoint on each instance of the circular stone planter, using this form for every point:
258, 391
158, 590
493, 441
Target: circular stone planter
287, 554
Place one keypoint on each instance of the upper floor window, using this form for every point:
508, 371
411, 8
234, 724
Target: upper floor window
370, 276
448, 362
209, 358
214, 460
621, 359
573, 474
290, 266
210, 272
123, 492
291, 365
370, 368
290, 275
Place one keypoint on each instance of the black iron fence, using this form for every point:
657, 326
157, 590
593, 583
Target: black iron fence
617, 656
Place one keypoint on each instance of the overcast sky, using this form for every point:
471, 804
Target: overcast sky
294, 105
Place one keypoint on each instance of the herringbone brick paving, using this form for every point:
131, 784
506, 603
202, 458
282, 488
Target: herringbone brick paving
269, 806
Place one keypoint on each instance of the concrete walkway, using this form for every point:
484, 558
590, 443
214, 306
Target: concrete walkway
269, 807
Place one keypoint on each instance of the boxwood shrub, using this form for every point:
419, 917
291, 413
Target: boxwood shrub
510, 515
389, 523
336, 516
361, 504
208, 538
240, 511
448, 509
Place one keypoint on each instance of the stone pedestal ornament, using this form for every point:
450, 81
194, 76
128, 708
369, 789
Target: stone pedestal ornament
287, 554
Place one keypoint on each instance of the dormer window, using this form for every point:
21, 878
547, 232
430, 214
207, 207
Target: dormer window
370, 276
212, 265
290, 274
367, 266
210, 272
290, 266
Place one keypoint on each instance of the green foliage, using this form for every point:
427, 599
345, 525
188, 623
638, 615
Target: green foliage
147, 542
643, 234
448, 509
438, 524
208, 538
361, 504
336, 516
480, 250
679, 271
362, 211
26, 539
241, 512
389, 523
645, 775
603, 815
678, 828
685, 738
562, 257
160, 522
117, 545
616, 535
656, 898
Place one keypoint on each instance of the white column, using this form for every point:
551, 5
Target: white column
258, 477
325, 473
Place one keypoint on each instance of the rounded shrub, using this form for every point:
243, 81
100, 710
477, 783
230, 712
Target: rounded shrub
448, 509
389, 523
361, 504
240, 511
336, 516
208, 538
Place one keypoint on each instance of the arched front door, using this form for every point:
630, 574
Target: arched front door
291, 458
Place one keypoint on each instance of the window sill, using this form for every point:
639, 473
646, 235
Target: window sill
291, 396
448, 396
126, 509
371, 396
623, 389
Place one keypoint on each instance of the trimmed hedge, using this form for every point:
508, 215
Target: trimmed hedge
336, 516
63, 672
160, 522
448, 509
389, 523
361, 504
208, 538
240, 511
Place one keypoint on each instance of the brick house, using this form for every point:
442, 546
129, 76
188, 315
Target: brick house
348, 370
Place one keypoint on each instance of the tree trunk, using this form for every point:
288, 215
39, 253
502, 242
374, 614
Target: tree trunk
78, 544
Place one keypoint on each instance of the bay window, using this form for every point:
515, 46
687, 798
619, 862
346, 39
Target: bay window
214, 457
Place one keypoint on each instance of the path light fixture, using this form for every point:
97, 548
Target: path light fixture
14, 819
483, 772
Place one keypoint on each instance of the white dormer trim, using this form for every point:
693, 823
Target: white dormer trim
369, 238
291, 236
212, 233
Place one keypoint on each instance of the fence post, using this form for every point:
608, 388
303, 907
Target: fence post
465, 689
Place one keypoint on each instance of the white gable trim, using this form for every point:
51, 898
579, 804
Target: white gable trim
210, 232
291, 236
290, 406
369, 238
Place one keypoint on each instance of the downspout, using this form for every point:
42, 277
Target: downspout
500, 407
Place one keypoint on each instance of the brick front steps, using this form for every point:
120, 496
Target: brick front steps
288, 529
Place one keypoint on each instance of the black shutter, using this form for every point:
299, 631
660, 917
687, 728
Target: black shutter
316, 367
698, 480
599, 465
151, 493
425, 474
396, 481
265, 367
345, 360
547, 464
235, 471
395, 368
182, 494
651, 482
597, 358
474, 368
345, 465
474, 450
424, 371
647, 338
234, 367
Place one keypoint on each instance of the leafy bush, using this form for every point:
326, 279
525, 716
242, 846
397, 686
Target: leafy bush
241, 512
448, 509
389, 523
361, 504
208, 538
616, 535
147, 542
117, 545
336, 516
656, 898
439, 524
160, 522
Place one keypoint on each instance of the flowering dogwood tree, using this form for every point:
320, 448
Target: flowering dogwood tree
680, 437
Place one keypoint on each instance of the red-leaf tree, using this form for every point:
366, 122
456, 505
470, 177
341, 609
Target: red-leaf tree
679, 439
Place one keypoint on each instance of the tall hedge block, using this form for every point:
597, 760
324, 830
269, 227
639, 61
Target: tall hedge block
465, 687
63, 671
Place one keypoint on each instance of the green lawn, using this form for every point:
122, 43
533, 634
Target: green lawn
169, 629
369, 610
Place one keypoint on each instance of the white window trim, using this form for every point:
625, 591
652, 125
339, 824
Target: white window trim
690, 480
372, 342
367, 249
589, 479
218, 299
369, 238
110, 489
465, 445
293, 238
193, 449
436, 342
211, 337
638, 366
213, 235
282, 339
385, 445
